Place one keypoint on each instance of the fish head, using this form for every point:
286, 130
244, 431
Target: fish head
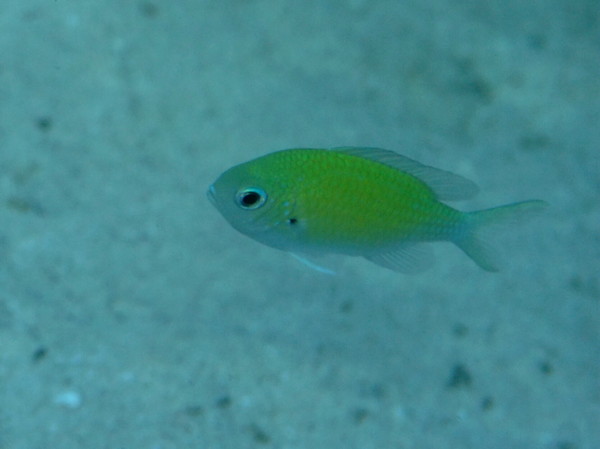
255, 203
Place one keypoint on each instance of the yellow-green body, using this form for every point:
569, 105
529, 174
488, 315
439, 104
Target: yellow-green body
356, 201
355, 205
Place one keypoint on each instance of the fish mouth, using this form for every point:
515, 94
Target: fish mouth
211, 194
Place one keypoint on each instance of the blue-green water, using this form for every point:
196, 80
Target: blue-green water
133, 316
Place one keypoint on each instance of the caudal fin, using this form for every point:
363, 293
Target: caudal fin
477, 234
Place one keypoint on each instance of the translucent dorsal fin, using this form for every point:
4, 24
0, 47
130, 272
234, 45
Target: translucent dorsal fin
446, 186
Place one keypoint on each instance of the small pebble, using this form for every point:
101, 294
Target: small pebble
68, 399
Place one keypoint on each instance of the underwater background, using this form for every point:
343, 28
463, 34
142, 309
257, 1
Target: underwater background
133, 316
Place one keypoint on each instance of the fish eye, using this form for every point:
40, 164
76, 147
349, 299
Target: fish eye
251, 198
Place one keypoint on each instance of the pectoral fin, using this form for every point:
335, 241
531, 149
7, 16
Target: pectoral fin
309, 263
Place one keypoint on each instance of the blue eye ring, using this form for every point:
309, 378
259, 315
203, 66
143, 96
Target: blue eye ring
251, 198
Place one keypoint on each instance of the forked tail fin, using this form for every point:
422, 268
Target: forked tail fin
477, 233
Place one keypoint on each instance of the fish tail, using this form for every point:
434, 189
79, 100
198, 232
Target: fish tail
475, 238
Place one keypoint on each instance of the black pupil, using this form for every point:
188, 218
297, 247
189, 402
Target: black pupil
250, 198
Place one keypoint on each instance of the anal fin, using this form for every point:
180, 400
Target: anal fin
408, 258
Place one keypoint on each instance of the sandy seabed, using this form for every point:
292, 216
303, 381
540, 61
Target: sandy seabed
133, 316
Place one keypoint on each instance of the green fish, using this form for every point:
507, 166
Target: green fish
354, 201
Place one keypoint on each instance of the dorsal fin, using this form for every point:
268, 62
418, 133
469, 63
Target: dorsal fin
446, 186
